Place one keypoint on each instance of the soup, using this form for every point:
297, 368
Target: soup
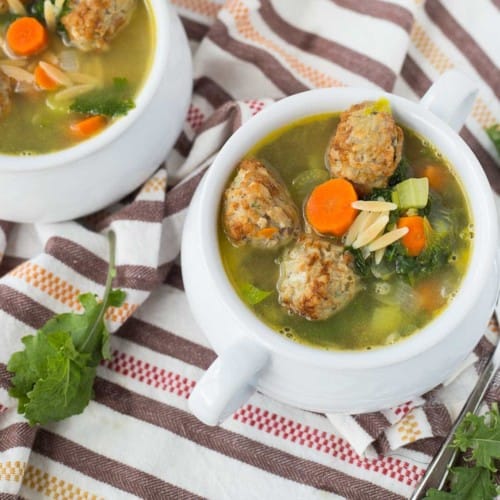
79, 71
374, 270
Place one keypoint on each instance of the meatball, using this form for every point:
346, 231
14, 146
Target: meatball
366, 147
4, 6
316, 279
5, 94
258, 209
92, 24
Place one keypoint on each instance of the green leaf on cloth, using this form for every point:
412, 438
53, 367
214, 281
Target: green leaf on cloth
53, 375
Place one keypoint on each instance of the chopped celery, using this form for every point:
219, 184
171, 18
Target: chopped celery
411, 193
252, 294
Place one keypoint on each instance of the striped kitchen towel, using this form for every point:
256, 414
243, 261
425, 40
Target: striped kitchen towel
137, 438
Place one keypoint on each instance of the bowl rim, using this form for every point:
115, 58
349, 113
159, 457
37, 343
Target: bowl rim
160, 15
475, 187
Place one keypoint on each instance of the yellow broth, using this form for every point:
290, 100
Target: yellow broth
37, 123
371, 319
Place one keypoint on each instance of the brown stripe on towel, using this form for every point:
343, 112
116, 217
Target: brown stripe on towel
165, 342
173, 276
17, 435
6, 226
269, 65
211, 91
105, 469
230, 111
179, 197
183, 144
9, 262
383, 10
194, 30
454, 31
23, 308
327, 49
235, 445
5, 377
140, 210
373, 423
428, 446
91, 266
438, 417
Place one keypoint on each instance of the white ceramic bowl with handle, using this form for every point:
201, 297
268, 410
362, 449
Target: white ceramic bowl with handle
98, 171
252, 356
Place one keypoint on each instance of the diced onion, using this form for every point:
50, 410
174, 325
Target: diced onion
68, 60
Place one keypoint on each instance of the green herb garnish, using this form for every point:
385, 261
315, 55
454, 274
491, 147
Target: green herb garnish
480, 435
109, 101
253, 295
37, 10
494, 134
54, 374
8, 18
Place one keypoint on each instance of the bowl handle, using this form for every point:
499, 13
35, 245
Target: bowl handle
451, 97
228, 383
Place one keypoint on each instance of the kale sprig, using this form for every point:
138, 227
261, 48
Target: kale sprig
53, 375
481, 437
111, 101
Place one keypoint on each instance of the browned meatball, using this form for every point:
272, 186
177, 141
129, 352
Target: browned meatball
366, 147
4, 6
258, 209
316, 279
92, 24
5, 94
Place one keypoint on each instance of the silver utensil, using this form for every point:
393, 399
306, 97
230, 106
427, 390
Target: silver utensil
438, 469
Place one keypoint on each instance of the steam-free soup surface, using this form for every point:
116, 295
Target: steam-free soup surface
39, 121
390, 306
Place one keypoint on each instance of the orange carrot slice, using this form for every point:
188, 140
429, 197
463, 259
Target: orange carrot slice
26, 36
414, 240
436, 176
43, 80
329, 207
89, 126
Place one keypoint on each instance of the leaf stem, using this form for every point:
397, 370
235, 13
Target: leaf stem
107, 290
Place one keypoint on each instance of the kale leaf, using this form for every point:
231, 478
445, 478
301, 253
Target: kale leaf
54, 374
361, 265
494, 134
481, 435
401, 173
109, 101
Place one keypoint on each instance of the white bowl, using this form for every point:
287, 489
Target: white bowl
251, 355
91, 175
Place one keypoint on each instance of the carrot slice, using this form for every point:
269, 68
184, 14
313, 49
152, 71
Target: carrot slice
436, 176
329, 207
43, 80
89, 126
429, 295
26, 36
414, 240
